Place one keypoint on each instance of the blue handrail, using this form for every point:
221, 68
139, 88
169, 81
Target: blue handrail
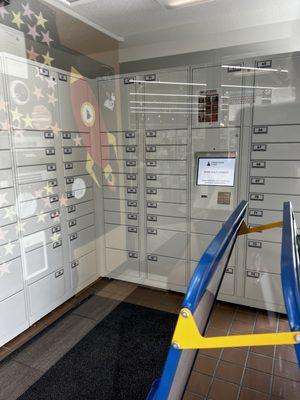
290, 270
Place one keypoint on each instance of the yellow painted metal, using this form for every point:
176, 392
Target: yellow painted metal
244, 229
187, 336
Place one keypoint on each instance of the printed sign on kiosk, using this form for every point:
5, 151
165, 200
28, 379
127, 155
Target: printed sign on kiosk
216, 171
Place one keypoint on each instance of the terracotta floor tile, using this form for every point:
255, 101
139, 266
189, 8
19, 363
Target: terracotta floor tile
283, 325
220, 322
223, 390
257, 380
229, 372
214, 353
211, 332
17, 342
234, 355
249, 394
286, 388
287, 370
239, 327
4, 352
286, 353
264, 350
260, 363
266, 321
199, 383
245, 316
205, 365
192, 396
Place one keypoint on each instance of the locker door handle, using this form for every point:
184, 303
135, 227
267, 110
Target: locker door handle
151, 163
130, 163
132, 216
229, 270
131, 177
72, 223
68, 165
256, 213
51, 167
129, 135
57, 244
152, 258
54, 214
68, 150
150, 77
151, 177
150, 133
66, 135
48, 135
74, 263
59, 273
258, 164
257, 181
259, 147
152, 218
132, 229
128, 80
252, 274
132, 203
256, 244
132, 254
71, 209
74, 236
260, 129
50, 151
152, 231
131, 190
56, 229
130, 149
69, 181
54, 199
70, 195
52, 183
151, 204
151, 191
257, 197
63, 77
150, 149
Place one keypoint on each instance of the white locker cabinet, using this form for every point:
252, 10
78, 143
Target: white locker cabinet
260, 216
129, 152
10, 251
46, 294
115, 96
121, 263
206, 227
166, 181
264, 288
82, 242
118, 218
80, 223
270, 235
9, 233
4, 137
122, 237
78, 184
169, 223
40, 189
33, 95
73, 95
33, 139
166, 243
75, 153
166, 167
215, 140
123, 138
161, 87
287, 186
124, 166
6, 179
13, 315
42, 238
8, 215
272, 201
167, 137
279, 169
263, 256
41, 222
166, 195
5, 159
84, 271
275, 151
9, 196
80, 209
77, 168
37, 173
166, 209
199, 244
38, 206
129, 179
77, 197
43, 261
117, 205
276, 100
217, 92
75, 139
275, 134
166, 270
165, 152
119, 192
11, 278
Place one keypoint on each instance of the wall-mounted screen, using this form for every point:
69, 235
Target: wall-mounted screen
216, 171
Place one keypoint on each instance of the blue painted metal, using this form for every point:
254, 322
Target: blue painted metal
290, 270
202, 276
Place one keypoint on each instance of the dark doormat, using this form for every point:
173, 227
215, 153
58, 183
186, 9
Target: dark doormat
118, 359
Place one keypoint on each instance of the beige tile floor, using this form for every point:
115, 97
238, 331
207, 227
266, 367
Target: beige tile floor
265, 373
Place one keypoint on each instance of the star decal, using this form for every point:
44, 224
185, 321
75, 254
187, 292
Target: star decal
31, 54
41, 20
9, 248
2, 234
55, 129
4, 269
16, 116
20, 227
3, 105
3, 11
17, 20
48, 189
28, 121
32, 32
78, 140
3, 199
10, 214
27, 11
63, 201
38, 75
46, 38
41, 217
5, 125
38, 93
38, 193
52, 99
51, 83
55, 237
47, 203
47, 59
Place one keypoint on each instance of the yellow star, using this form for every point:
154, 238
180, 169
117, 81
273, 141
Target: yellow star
55, 129
48, 189
16, 116
41, 217
47, 59
41, 20
17, 19
27, 121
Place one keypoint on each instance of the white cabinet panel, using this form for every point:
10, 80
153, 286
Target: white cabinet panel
9, 233
170, 137
11, 278
166, 181
120, 263
6, 179
37, 173
285, 186
33, 139
166, 243
278, 169
122, 237
275, 151
8, 215
163, 222
75, 153
264, 287
166, 167
84, 271
165, 152
4, 140
276, 134
167, 270
76, 139
118, 218
166, 195
166, 209
199, 244
129, 179
79, 223
5, 160
121, 205
82, 242
118, 192
10, 251
125, 138
263, 256
128, 152
272, 201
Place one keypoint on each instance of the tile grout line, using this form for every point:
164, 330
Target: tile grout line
273, 363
